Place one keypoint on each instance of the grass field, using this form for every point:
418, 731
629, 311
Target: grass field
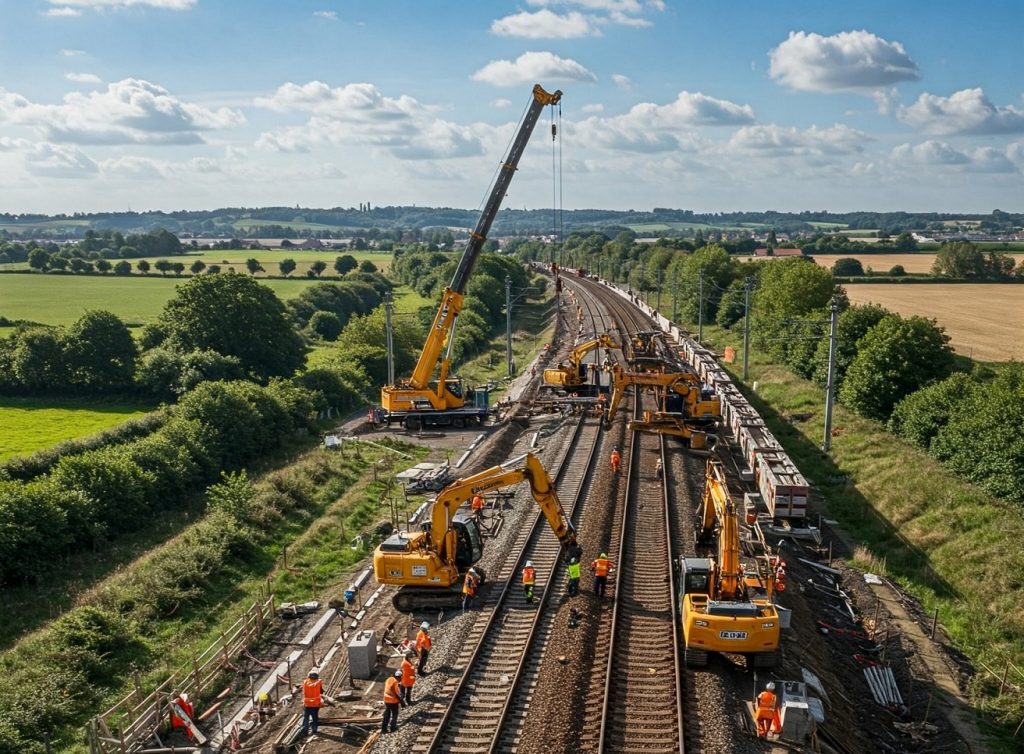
984, 320
62, 299
882, 263
31, 424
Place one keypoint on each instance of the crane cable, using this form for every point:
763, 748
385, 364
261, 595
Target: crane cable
556, 183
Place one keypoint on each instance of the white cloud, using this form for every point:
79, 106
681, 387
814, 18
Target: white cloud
940, 154
623, 82
968, 111
531, 67
330, 15
596, 107
545, 24
360, 101
777, 140
115, 4
130, 111
72, 53
61, 13
501, 103
50, 160
848, 60
83, 78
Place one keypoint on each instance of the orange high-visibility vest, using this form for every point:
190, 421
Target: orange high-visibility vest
478, 503
422, 641
529, 575
408, 673
616, 458
765, 705
391, 693
311, 692
601, 566
177, 722
469, 585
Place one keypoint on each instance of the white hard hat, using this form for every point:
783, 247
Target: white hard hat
398, 673
314, 671
184, 697
529, 563
424, 625
770, 686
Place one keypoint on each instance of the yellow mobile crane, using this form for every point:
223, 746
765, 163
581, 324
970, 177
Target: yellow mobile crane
429, 564
725, 607
685, 413
573, 376
421, 400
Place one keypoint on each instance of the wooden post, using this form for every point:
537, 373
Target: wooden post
878, 601
929, 707
935, 623
195, 672
830, 553
46, 743
284, 556
1002, 681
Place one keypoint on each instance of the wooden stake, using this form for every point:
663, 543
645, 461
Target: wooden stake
935, 622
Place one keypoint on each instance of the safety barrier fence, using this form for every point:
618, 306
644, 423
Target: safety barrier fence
129, 726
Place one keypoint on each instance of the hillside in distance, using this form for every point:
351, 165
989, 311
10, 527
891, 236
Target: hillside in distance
340, 222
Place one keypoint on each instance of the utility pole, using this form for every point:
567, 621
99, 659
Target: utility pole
830, 386
748, 285
388, 303
508, 324
675, 296
657, 306
700, 307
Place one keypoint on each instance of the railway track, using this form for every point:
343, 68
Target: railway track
499, 646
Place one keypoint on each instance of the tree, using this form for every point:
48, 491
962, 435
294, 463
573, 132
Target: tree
367, 266
123, 267
959, 259
234, 316
143, 266
894, 358
58, 262
213, 269
719, 270
905, 241
847, 267
178, 267
733, 304
921, 415
162, 266
286, 266
253, 265
38, 259
326, 325
897, 270
345, 263
99, 352
37, 358
318, 267
852, 325
103, 265
197, 267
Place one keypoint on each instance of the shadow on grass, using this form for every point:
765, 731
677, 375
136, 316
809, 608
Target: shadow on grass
845, 502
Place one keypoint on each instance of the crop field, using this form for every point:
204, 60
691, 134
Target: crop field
984, 321
882, 263
138, 300
31, 424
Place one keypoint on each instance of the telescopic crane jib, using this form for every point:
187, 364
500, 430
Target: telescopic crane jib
420, 400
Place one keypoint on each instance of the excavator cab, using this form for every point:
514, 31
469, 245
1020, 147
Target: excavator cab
696, 575
469, 546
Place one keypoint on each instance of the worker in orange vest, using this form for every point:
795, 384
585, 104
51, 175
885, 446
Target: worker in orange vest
601, 567
408, 677
616, 460
423, 644
765, 713
529, 579
469, 586
392, 700
186, 706
312, 701
478, 506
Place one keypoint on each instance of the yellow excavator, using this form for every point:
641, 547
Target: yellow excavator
429, 564
726, 607
422, 400
573, 375
686, 411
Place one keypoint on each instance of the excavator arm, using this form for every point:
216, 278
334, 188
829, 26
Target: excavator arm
717, 507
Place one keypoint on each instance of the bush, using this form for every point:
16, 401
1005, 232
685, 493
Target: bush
847, 267
897, 270
325, 325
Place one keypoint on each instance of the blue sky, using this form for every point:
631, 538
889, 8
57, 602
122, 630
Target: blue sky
710, 106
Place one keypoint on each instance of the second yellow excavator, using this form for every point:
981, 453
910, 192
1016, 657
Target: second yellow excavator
572, 376
725, 606
429, 564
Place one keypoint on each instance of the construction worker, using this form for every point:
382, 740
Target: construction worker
408, 677
264, 707
616, 460
529, 579
469, 586
423, 643
574, 576
176, 720
478, 507
312, 701
765, 713
600, 567
392, 700
658, 470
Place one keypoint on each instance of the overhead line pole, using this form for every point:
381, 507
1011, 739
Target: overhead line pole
830, 386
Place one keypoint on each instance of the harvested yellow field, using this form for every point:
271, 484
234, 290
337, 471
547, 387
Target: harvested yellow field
882, 263
983, 320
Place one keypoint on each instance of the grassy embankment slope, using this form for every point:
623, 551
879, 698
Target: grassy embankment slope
954, 547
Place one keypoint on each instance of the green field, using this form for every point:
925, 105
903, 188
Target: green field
31, 424
62, 299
